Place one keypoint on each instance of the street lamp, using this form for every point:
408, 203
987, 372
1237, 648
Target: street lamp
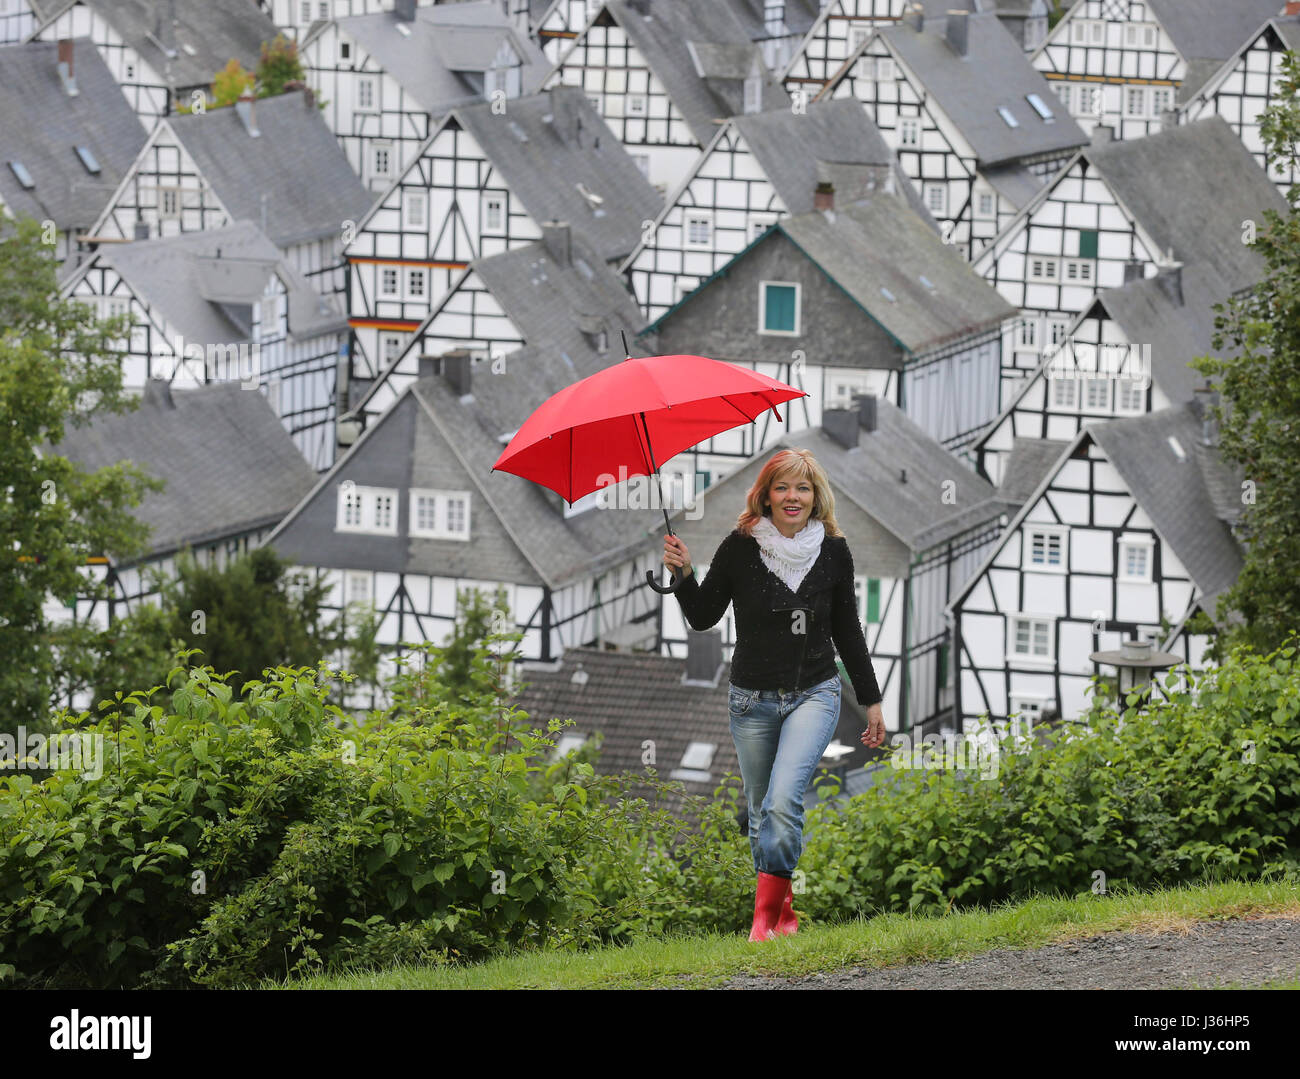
1138, 661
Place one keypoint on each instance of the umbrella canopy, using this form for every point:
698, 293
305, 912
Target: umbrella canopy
635, 415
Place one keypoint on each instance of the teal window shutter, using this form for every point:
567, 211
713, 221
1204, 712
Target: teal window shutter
778, 308
873, 599
1087, 243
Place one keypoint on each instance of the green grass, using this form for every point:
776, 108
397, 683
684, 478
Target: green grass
886, 940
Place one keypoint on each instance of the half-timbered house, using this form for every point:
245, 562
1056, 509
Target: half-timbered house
230, 471
757, 169
272, 161
412, 514
777, 27
163, 55
838, 32
1248, 83
863, 297
1124, 209
1125, 354
664, 74
1126, 534
918, 523
1025, 20
222, 305
67, 137
387, 80
294, 18
484, 183
1125, 64
975, 127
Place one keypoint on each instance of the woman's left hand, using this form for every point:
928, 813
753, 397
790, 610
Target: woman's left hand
874, 735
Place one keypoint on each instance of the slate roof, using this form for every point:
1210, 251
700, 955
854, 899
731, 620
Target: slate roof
1209, 30
310, 188
183, 278
995, 72
876, 245
1030, 461
229, 464
40, 125
871, 476
1015, 183
800, 16
665, 40
633, 696
442, 37
566, 143
1190, 187
206, 35
790, 147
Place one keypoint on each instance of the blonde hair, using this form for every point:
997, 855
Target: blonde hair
785, 464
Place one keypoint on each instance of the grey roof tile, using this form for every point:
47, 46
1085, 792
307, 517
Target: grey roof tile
293, 170
228, 463
40, 125
1210, 29
1028, 464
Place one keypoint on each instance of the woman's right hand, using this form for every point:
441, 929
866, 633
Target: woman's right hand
677, 554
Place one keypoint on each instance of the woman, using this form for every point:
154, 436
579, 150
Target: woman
787, 571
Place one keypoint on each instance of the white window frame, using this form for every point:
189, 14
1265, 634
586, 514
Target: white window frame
441, 514
367, 94
886, 69
1079, 272
1130, 396
164, 192
415, 209
490, 197
909, 126
1014, 622
1060, 532
395, 293
370, 501
304, 12
704, 217
758, 223
992, 211
1057, 330
1065, 393
414, 274
1096, 394
1027, 335
394, 343
351, 577
858, 33
1138, 94
1126, 542
636, 106
798, 309
937, 188
1045, 268
376, 147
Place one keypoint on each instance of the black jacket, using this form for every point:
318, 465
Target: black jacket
775, 648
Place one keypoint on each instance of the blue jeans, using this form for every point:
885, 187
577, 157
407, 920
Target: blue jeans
780, 736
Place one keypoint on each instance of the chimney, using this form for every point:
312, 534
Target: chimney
1203, 399
158, 392
824, 196
703, 656
558, 240
1170, 282
426, 365
308, 94
842, 425
866, 406
1133, 270
456, 370
66, 72
957, 30
1292, 8
244, 109
141, 231
1102, 134
914, 17
405, 10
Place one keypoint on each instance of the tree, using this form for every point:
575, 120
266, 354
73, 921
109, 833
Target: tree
58, 366
279, 64
1259, 411
231, 83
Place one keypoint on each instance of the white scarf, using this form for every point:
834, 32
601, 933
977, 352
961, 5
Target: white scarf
789, 557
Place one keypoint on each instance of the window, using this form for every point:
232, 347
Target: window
1031, 638
1135, 101
416, 205
774, 16
858, 33
415, 284
323, 9
169, 203
1028, 336
759, 223
636, 104
866, 591
984, 204
1161, 100
391, 346
366, 509
366, 93
1135, 558
389, 284
356, 587
1065, 392
381, 160
440, 514
909, 131
936, 199
1078, 271
885, 69
345, 50
1089, 101
1045, 549
1007, 117
129, 70
1087, 32
494, 213
1130, 395
304, 10
1039, 106
699, 229
1056, 328
1043, 269
1096, 392
1140, 35
778, 308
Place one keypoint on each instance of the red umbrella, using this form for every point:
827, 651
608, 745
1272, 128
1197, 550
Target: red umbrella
631, 416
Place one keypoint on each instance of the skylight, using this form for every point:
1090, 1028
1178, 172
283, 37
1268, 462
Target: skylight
88, 159
888, 295
1177, 447
1007, 118
403, 29
518, 131
1039, 106
24, 177
927, 282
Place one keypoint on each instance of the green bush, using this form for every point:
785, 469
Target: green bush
1205, 784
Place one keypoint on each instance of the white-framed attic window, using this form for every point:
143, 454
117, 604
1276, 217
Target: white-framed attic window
1136, 553
371, 510
697, 228
1029, 638
366, 93
439, 514
1046, 548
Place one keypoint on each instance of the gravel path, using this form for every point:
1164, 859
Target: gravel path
1247, 951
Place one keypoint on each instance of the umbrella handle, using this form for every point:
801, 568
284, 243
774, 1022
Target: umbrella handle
652, 579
